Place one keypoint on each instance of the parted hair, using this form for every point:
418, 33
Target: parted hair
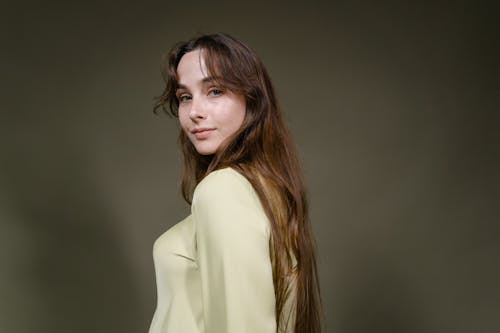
263, 151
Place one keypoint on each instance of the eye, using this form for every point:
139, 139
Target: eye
215, 92
183, 98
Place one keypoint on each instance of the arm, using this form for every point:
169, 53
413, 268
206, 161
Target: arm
232, 235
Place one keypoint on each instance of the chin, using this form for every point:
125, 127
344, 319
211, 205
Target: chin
206, 153
205, 150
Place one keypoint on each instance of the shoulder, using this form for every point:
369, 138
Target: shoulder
225, 196
221, 183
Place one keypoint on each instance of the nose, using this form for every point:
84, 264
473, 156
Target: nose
196, 112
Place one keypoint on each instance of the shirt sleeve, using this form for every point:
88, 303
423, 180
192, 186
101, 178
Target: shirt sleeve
232, 235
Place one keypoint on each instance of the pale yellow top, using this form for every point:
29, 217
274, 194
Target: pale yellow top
213, 269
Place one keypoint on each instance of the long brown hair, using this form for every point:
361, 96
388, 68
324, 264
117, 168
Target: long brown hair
262, 150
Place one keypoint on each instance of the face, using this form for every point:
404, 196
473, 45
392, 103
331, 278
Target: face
208, 113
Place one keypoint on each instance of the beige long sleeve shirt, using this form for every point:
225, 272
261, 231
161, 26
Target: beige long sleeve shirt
213, 269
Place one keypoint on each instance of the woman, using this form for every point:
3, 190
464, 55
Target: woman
244, 260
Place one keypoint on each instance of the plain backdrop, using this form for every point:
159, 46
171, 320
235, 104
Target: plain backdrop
394, 109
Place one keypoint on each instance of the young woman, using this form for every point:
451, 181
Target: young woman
244, 259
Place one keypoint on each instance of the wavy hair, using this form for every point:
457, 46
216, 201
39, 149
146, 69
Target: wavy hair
262, 150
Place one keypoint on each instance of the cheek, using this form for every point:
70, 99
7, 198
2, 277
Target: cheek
238, 120
234, 118
183, 120
238, 117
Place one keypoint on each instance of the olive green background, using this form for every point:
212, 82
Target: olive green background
394, 108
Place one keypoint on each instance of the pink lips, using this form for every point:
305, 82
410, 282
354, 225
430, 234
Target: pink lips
202, 133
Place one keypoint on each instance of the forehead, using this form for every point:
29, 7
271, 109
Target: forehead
191, 68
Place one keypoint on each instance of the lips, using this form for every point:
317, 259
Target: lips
202, 133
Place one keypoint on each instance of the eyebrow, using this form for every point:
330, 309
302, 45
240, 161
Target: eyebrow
205, 80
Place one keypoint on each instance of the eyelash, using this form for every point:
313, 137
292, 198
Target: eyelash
216, 91
213, 91
181, 98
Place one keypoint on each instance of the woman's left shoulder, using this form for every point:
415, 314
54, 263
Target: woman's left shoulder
225, 202
223, 182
